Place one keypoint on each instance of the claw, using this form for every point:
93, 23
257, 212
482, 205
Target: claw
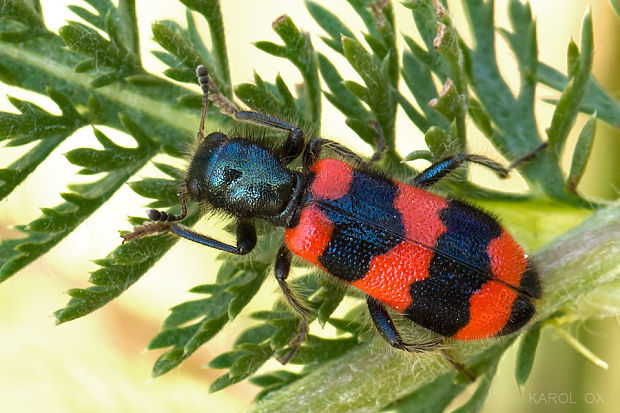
150, 228
469, 376
423, 347
295, 343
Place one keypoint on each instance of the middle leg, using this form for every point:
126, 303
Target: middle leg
440, 169
282, 270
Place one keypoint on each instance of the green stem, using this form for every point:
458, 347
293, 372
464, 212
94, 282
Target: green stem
583, 350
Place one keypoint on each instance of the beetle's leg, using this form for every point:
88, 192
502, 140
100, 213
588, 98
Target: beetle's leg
471, 377
313, 151
282, 269
438, 170
384, 324
161, 221
246, 238
295, 141
246, 235
287, 152
219, 100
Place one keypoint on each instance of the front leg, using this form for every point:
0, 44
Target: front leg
282, 270
246, 235
246, 238
313, 151
294, 143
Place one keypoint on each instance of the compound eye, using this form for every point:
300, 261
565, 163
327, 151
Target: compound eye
231, 175
215, 137
193, 189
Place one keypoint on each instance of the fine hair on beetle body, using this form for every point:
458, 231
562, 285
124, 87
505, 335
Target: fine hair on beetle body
442, 263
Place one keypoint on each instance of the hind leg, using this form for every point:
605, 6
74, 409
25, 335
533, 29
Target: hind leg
384, 324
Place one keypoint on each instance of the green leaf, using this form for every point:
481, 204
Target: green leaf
96, 20
438, 142
362, 8
480, 116
35, 123
363, 129
379, 91
156, 188
318, 350
273, 381
330, 23
172, 38
572, 59
112, 279
82, 39
581, 154
571, 98
418, 79
126, 21
24, 13
596, 99
285, 94
210, 9
430, 398
421, 154
95, 161
244, 365
298, 49
18, 171
224, 360
504, 110
260, 99
527, 351
170, 170
243, 293
475, 402
256, 335
181, 74
224, 302
523, 42
44, 232
431, 60
6, 76
449, 101
384, 44
340, 97
328, 298
359, 91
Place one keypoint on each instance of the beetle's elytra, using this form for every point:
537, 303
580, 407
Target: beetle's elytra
443, 263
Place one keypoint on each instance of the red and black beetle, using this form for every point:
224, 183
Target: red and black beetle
443, 263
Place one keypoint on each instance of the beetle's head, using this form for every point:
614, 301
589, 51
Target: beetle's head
239, 176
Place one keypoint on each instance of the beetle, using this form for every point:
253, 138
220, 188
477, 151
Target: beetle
442, 263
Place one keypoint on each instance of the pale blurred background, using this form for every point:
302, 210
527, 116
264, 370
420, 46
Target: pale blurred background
98, 363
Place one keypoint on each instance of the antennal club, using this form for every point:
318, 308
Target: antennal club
203, 81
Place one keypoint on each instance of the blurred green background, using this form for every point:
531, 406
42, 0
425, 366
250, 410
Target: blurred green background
98, 363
